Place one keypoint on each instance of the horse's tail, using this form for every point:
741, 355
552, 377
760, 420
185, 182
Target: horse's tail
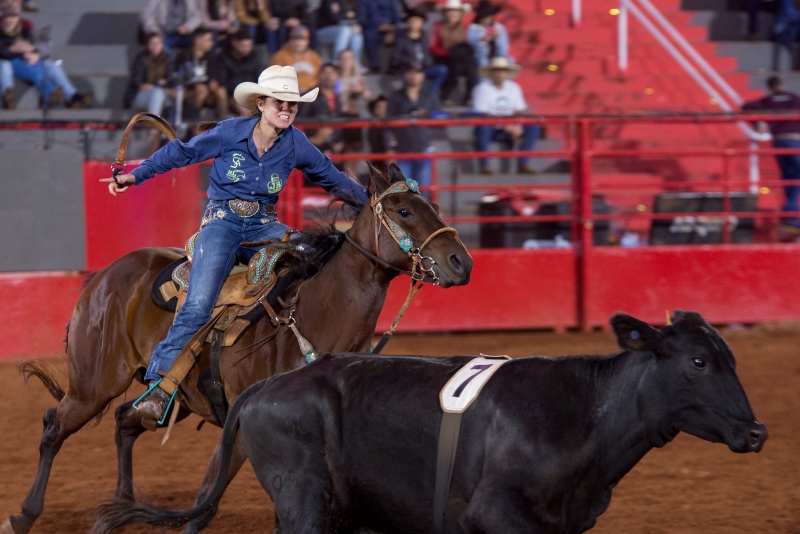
113, 515
37, 369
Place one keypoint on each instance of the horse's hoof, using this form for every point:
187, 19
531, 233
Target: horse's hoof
7, 528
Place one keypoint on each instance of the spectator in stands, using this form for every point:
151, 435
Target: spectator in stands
411, 47
499, 96
296, 53
337, 25
254, 15
219, 16
786, 26
488, 37
151, 77
289, 14
194, 70
785, 134
325, 108
379, 19
450, 48
412, 102
17, 47
352, 85
236, 63
378, 137
174, 19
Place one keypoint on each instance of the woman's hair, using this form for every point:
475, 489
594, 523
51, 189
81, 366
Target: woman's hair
353, 68
152, 35
257, 112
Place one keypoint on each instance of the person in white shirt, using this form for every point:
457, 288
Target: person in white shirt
498, 96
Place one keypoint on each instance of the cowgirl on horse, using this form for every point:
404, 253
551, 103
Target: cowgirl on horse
253, 158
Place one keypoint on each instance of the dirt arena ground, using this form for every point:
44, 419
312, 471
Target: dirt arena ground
688, 487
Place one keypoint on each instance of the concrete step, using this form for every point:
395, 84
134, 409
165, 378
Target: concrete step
752, 56
90, 60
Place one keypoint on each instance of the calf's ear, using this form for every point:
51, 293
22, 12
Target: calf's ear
633, 334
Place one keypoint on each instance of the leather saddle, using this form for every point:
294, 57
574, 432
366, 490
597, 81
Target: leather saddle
246, 287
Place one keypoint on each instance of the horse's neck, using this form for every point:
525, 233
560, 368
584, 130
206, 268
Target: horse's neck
344, 299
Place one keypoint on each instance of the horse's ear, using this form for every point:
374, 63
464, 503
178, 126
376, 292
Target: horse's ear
378, 180
633, 334
395, 174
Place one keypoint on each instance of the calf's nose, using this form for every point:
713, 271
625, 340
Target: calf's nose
756, 437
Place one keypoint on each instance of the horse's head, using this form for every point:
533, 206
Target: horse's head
403, 228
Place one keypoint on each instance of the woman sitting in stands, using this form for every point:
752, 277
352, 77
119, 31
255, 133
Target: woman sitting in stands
17, 47
450, 48
253, 159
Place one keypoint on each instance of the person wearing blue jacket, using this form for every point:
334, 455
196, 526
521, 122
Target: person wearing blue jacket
253, 158
488, 37
379, 20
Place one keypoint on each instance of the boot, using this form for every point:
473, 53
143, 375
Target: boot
56, 97
152, 407
81, 100
9, 99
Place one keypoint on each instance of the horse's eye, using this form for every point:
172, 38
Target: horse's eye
699, 363
404, 213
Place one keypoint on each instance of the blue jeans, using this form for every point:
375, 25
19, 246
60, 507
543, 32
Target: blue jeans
35, 74
486, 134
373, 39
59, 78
176, 40
436, 75
790, 170
151, 100
260, 34
6, 76
342, 37
417, 169
216, 252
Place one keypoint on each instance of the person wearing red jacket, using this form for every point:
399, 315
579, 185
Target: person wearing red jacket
449, 47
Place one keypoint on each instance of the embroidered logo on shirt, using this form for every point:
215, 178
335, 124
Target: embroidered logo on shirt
275, 184
235, 174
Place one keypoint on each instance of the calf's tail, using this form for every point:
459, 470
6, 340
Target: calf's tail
113, 515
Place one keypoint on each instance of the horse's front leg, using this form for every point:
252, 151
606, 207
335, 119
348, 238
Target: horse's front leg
129, 427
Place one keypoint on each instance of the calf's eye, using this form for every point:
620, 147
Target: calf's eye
699, 363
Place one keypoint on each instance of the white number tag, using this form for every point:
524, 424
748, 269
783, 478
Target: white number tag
461, 390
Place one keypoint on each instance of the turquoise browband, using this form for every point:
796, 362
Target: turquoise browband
402, 238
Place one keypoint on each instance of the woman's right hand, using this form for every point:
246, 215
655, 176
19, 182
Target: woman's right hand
124, 181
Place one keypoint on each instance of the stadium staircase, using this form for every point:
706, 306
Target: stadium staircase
573, 70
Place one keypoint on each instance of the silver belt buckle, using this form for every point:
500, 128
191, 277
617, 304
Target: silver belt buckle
244, 208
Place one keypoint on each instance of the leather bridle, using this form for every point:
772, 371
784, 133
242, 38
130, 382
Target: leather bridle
422, 266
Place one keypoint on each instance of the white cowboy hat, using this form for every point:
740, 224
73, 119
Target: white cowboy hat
275, 81
499, 63
455, 4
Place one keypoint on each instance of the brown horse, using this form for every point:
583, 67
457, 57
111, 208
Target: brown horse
115, 326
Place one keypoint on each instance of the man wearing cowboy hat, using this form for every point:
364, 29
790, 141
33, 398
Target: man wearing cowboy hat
253, 158
498, 96
488, 37
450, 47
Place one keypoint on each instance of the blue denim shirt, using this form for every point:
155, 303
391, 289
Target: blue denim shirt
238, 172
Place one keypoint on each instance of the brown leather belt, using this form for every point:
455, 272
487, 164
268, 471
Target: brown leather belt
249, 208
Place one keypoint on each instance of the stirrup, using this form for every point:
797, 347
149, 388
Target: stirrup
160, 422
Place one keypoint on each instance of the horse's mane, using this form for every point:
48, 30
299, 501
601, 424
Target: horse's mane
320, 243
